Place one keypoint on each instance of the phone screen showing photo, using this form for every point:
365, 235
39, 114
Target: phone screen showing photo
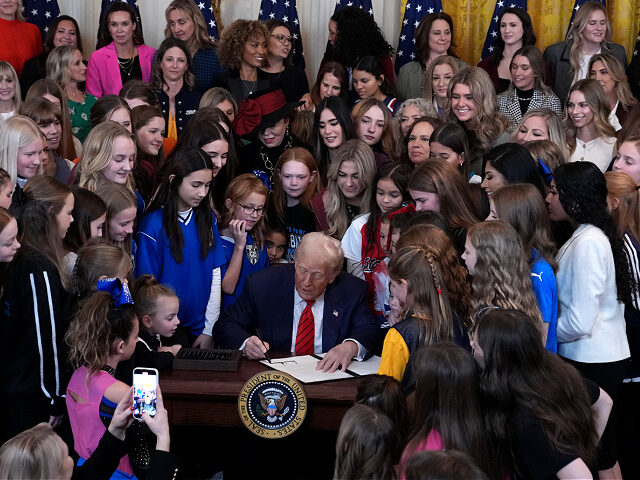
144, 393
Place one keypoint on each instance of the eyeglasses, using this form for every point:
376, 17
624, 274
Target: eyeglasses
249, 210
283, 38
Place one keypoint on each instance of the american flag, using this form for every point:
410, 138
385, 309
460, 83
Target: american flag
576, 7
286, 11
107, 3
209, 17
414, 10
363, 4
494, 28
40, 13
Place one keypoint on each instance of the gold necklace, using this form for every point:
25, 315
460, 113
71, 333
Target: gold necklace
268, 164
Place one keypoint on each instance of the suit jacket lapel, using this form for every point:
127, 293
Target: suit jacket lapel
331, 319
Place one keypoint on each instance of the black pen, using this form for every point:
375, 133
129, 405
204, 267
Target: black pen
259, 334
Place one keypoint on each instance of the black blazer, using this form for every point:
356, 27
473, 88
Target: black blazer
266, 303
557, 56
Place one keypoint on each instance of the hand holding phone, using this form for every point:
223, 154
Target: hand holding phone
145, 392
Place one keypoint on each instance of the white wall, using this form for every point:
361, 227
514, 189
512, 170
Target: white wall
313, 14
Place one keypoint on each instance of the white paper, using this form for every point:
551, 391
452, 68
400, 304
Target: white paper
303, 368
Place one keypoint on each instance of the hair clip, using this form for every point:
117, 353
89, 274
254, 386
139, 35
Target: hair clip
439, 291
119, 291
546, 170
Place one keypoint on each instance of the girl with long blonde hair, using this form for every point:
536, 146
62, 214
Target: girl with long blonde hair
521, 206
496, 260
349, 188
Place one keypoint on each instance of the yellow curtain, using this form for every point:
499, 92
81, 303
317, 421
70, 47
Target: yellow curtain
550, 19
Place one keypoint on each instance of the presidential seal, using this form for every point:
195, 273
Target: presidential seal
272, 404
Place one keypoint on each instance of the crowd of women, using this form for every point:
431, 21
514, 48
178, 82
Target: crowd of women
494, 212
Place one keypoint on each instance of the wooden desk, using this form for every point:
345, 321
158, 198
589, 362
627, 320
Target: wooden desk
206, 398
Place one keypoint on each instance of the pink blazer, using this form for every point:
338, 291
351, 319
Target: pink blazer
103, 72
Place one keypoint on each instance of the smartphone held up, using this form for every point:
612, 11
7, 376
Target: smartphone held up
145, 387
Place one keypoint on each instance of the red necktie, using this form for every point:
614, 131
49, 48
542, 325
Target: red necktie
306, 331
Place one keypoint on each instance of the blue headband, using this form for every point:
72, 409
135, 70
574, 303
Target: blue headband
118, 290
546, 170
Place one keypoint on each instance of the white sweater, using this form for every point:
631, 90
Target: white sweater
591, 326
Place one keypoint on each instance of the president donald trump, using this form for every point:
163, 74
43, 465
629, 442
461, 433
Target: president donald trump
305, 308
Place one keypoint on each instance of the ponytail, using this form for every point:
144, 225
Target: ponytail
96, 325
146, 293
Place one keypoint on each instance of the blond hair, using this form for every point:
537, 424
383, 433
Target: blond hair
201, 38
580, 22
616, 71
597, 103
427, 83
15, 133
7, 70
58, 63
502, 276
98, 153
627, 214
488, 124
361, 154
36, 453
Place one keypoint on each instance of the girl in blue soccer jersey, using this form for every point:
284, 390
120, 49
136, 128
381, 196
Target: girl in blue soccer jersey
178, 243
242, 234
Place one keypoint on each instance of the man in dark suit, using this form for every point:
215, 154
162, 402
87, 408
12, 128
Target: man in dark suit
312, 298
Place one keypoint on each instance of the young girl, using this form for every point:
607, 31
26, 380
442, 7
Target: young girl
148, 128
372, 124
448, 143
627, 160
99, 260
437, 186
22, 150
49, 119
349, 189
121, 216
36, 306
10, 101
546, 423
276, 241
178, 242
6, 189
369, 82
417, 279
103, 333
70, 146
361, 242
111, 107
590, 136
242, 231
450, 416
108, 157
294, 185
367, 446
500, 275
89, 217
156, 307
522, 207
